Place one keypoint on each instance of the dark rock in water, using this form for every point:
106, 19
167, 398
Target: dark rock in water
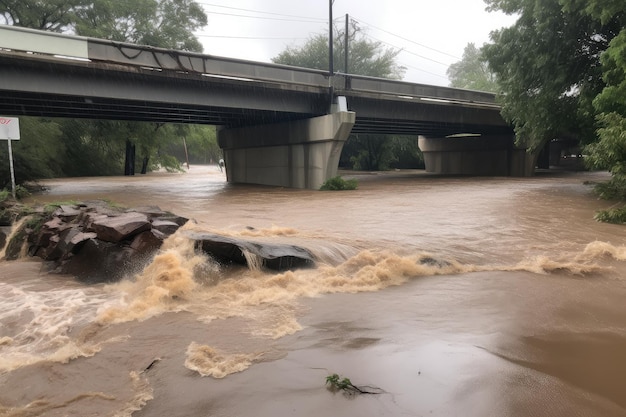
430, 261
165, 226
148, 242
279, 257
118, 228
99, 261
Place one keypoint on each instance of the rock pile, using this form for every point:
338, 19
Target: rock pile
93, 240
96, 242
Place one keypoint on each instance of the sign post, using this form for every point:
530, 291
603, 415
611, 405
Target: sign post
10, 130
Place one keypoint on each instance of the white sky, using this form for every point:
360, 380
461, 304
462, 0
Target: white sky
431, 33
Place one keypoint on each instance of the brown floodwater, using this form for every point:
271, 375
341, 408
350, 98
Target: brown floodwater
445, 296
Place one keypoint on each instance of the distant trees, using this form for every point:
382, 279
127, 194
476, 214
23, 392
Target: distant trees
472, 71
365, 57
60, 147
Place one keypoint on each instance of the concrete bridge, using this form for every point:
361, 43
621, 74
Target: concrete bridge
279, 125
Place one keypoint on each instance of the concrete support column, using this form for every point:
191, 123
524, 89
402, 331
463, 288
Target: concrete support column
475, 155
296, 154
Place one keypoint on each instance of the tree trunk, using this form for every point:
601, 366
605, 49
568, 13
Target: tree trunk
129, 165
144, 165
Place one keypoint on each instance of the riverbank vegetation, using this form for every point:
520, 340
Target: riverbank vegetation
561, 72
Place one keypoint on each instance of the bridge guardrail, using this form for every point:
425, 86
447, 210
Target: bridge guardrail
359, 83
106, 51
93, 49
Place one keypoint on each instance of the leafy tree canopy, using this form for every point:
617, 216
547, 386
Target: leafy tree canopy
548, 65
365, 57
562, 68
472, 72
162, 23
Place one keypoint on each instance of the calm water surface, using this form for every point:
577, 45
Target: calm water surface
520, 313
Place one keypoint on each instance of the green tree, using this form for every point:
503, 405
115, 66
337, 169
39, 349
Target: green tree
472, 71
37, 155
609, 152
52, 15
365, 57
548, 67
162, 23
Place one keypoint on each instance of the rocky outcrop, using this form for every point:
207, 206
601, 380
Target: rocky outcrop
279, 257
94, 241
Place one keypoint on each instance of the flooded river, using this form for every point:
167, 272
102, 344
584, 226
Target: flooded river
447, 296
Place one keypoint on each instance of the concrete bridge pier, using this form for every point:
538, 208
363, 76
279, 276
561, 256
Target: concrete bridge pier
296, 154
488, 155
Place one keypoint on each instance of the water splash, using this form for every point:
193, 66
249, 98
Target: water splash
208, 361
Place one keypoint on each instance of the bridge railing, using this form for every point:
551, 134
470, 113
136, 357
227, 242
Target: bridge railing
36, 42
363, 84
101, 50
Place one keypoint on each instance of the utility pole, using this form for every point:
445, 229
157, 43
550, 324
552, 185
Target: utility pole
330, 38
345, 47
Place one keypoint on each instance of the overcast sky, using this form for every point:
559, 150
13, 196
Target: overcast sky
431, 33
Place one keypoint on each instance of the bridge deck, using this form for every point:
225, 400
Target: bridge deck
56, 75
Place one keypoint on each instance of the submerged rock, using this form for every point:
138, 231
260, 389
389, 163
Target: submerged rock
279, 257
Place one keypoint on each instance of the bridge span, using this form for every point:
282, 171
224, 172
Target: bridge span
279, 125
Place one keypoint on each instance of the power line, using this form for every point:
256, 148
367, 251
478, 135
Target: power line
247, 37
408, 52
406, 39
307, 18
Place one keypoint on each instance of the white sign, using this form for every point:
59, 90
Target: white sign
9, 128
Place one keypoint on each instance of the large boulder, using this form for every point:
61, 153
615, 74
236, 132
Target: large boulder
118, 228
275, 256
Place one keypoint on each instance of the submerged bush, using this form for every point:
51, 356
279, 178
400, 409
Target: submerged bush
337, 184
614, 189
614, 215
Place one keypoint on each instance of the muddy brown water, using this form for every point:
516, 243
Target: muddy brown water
518, 311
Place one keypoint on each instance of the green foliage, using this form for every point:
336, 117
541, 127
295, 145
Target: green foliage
609, 152
201, 141
339, 184
472, 72
36, 155
548, 67
365, 57
4, 195
336, 383
381, 152
614, 215
162, 23
614, 189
